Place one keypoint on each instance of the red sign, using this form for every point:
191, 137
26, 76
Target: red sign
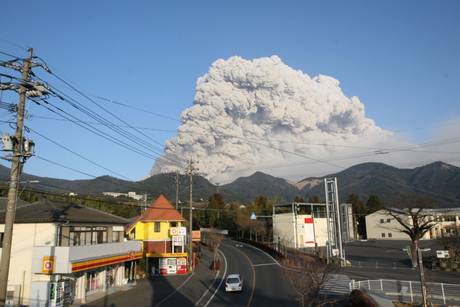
308, 220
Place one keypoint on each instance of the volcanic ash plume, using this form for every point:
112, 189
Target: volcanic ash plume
261, 114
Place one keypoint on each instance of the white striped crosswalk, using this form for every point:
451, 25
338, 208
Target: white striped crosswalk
336, 284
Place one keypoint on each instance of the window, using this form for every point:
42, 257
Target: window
383, 235
382, 221
173, 224
388, 220
83, 235
390, 235
117, 236
157, 227
1, 239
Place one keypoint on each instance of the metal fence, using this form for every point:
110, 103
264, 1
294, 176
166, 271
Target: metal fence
410, 291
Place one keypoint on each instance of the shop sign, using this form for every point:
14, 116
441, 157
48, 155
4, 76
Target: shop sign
178, 240
181, 265
48, 264
177, 231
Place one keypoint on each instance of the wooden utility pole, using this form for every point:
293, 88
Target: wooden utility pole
191, 170
177, 189
16, 165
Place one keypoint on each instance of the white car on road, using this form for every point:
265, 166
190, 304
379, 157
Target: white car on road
233, 283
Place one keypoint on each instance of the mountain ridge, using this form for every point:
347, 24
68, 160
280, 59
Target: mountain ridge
438, 181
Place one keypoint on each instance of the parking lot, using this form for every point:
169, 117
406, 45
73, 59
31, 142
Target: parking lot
385, 253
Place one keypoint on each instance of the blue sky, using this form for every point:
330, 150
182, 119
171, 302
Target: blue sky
401, 58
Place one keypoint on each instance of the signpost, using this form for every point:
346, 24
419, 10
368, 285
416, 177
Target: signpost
443, 254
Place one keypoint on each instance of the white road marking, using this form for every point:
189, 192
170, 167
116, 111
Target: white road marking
175, 290
220, 284
265, 264
207, 290
267, 254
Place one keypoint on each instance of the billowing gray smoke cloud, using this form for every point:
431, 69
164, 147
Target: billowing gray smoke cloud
244, 109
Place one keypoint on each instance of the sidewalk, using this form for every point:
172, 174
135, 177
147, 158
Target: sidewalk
178, 290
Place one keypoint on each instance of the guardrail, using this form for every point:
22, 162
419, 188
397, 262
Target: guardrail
410, 291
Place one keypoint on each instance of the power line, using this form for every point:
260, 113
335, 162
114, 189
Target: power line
94, 130
66, 167
77, 154
9, 54
137, 108
97, 123
131, 137
102, 108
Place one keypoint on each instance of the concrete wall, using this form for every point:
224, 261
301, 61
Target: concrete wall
24, 237
307, 234
283, 228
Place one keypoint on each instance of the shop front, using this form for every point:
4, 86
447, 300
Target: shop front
168, 263
82, 271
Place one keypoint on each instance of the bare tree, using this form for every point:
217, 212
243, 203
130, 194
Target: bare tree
213, 241
415, 223
307, 276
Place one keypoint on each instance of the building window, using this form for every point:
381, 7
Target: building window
83, 235
388, 220
382, 221
173, 224
1, 239
117, 236
383, 235
390, 235
157, 227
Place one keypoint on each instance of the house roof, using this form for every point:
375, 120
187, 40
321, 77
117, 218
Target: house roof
4, 202
161, 210
46, 211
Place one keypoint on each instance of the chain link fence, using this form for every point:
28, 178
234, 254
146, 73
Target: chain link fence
410, 291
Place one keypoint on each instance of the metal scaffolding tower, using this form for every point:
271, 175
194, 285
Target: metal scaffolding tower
334, 227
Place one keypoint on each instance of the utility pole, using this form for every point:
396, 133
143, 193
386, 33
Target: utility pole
422, 273
191, 170
16, 165
177, 189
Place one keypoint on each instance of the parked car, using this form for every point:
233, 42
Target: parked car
233, 283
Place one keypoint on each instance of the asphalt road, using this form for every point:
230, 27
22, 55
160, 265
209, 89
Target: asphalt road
264, 283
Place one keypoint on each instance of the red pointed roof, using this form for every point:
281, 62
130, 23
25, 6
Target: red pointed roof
161, 210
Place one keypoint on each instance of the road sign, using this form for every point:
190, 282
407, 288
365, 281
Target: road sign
442, 254
253, 216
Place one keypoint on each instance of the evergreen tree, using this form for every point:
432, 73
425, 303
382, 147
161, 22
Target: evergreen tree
374, 204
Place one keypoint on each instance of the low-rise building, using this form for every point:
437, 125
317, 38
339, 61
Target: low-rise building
161, 228
304, 225
381, 225
132, 195
66, 252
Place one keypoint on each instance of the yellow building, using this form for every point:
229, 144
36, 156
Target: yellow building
161, 228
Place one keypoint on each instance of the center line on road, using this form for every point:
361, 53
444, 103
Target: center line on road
253, 275
265, 264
